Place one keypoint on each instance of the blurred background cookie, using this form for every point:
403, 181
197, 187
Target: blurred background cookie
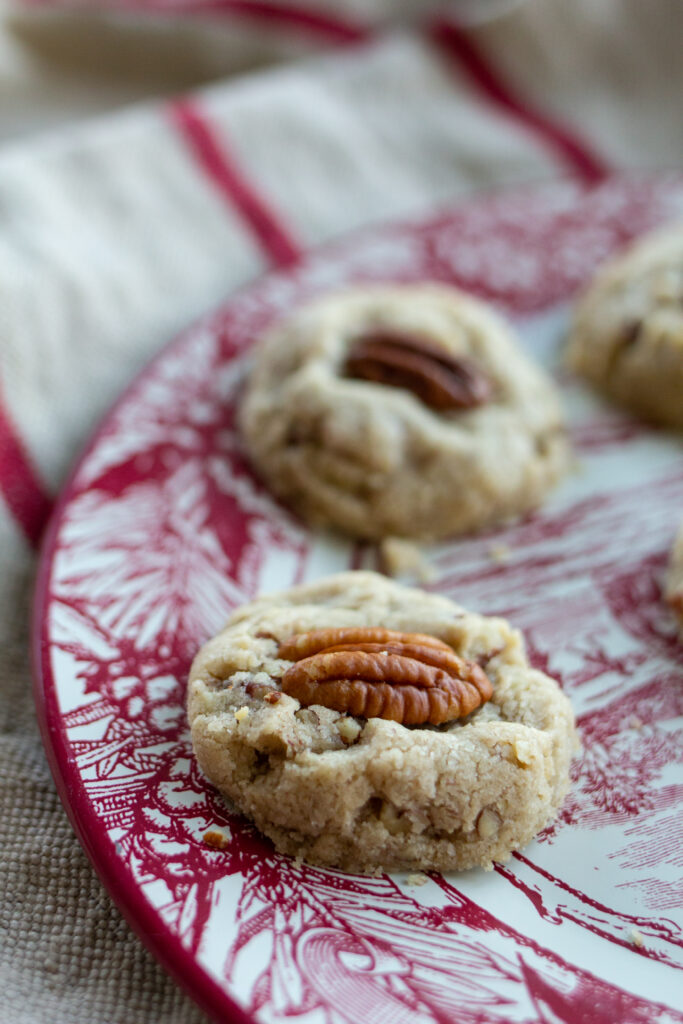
627, 335
402, 410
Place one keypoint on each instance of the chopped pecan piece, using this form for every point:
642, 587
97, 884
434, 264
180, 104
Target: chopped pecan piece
262, 692
216, 839
411, 678
626, 338
440, 379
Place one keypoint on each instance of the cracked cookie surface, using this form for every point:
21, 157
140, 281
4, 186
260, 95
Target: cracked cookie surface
627, 333
402, 411
361, 794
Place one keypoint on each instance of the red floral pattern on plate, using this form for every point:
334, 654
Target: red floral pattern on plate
163, 530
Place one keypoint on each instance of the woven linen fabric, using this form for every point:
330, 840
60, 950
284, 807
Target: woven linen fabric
116, 233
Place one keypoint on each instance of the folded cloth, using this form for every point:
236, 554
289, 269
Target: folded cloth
118, 233
69, 58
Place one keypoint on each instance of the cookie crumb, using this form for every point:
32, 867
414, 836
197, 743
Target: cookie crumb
633, 722
242, 713
403, 558
349, 729
417, 879
217, 838
499, 553
635, 938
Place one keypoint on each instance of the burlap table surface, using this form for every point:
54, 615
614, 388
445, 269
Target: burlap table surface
117, 232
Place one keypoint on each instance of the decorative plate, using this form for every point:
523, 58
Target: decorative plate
163, 530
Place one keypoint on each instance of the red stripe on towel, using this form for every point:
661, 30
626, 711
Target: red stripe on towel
23, 492
572, 150
219, 167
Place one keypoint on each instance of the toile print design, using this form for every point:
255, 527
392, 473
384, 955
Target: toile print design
166, 530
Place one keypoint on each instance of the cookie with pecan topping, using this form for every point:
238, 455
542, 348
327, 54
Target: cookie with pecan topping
364, 724
403, 411
627, 333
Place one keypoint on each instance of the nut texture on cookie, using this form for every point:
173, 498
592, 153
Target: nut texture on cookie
421, 739
627, 334
403, 411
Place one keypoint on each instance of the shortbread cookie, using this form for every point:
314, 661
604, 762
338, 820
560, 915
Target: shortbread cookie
627, 335
404, 411
673, 590
441, 751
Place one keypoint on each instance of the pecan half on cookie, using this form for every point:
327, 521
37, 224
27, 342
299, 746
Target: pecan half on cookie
410, 678
440, 379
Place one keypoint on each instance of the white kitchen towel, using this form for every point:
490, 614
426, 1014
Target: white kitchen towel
117, 233
66, 59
